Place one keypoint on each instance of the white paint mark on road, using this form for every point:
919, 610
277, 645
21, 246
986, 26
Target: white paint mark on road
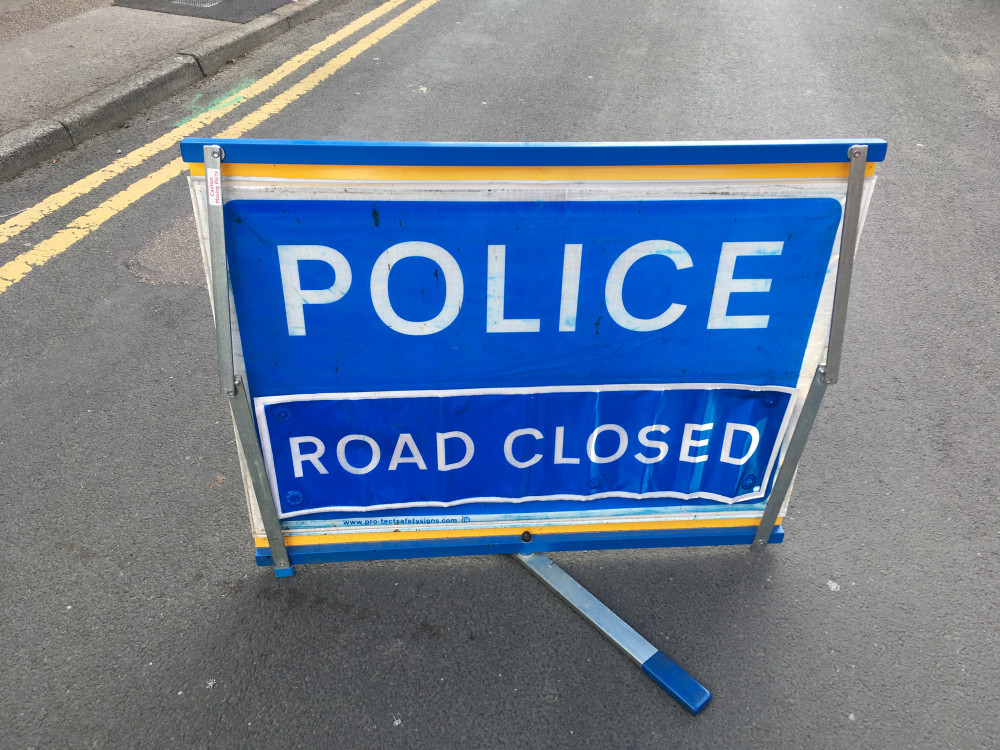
833, 585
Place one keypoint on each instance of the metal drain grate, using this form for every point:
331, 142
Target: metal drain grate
233, 11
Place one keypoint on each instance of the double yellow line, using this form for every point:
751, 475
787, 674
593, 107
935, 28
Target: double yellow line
16, 269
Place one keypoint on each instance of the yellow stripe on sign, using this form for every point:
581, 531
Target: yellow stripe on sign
383, 172
15, 270
54, 202
352, 537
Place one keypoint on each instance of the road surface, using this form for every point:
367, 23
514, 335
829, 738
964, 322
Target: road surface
133, 615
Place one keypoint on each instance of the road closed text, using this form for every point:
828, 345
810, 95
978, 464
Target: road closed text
309, 449
519, 447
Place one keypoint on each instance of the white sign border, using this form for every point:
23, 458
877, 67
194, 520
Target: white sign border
261, 402
255, 188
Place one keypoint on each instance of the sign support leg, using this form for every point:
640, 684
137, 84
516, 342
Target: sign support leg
657, 665
219, 270
828, 372
858, 156
247, 435
790, 461
232, 384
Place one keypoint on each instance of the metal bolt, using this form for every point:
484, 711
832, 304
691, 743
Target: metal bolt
215, 154
828, 381
855, 153
526, 536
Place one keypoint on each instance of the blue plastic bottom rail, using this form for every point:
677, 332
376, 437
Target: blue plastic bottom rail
510, 544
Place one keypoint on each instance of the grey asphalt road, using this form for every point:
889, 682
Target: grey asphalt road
132, 613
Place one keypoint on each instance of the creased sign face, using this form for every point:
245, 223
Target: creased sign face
465, 353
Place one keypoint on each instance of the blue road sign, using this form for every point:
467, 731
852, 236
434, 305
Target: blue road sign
528, 337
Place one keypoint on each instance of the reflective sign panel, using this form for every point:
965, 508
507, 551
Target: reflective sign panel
451, 343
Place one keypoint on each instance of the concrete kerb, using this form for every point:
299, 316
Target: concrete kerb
31, 144
112, 106
212, 54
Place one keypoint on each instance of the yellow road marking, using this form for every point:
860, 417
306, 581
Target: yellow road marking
17, 269
21, 266
319, 75
54, 202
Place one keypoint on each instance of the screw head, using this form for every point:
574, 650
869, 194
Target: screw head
526, 536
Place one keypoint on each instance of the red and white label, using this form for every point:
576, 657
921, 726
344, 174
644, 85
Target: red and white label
213, 178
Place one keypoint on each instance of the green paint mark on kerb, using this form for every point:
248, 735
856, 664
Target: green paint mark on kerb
230, 97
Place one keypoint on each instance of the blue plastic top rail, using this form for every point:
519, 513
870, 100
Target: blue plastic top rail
248, 151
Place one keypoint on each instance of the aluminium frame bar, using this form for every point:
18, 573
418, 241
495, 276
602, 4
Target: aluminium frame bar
829, 372
659, 667
845, 268
232, 384
220, 266
239, 404
790, 461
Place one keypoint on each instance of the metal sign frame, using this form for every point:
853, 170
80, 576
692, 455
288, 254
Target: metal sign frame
656, 664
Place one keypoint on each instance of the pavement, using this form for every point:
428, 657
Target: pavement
76, 68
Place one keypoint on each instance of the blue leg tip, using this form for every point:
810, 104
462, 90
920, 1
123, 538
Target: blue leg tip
687, 691
284, 572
